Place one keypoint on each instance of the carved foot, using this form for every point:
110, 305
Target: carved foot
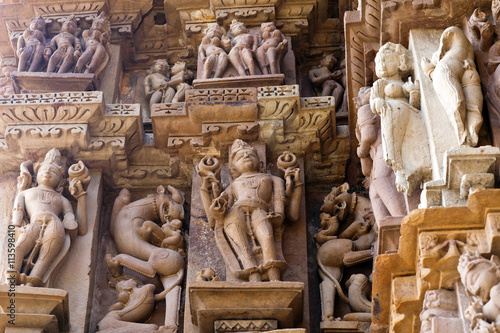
114, 267
328, 318
168, 329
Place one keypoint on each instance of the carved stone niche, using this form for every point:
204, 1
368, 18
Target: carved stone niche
223, 61
262, 277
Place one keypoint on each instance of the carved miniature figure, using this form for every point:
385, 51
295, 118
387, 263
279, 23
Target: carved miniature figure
213, 50
397, 103
248, 215
173, 237
138, 239
179, 81
95, 56
244, 45
156, 84
438, 303
326, 81
44, 220
135, 305
380, 180
481, 278
352, 246
31, 46
65, 48
207, 274
272, 49
457, 84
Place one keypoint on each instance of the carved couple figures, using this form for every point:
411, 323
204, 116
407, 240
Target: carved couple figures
457, 84
352, 246
163, 85
241, 50
248, 216
65, 52
44, 219
148, 238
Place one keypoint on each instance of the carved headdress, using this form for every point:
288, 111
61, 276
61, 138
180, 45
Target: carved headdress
240, 145
53, 157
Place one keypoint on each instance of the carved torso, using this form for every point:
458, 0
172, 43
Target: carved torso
253, 191
39, 201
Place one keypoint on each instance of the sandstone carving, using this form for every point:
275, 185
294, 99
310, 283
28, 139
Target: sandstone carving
31, 46
457, 83
243, 47
65, 48
380, 180
441, 303
350, 247
397, 104
272, 49
135, 305
247, 217
96, 56
213, 50
481, 278
207, 274
149, 249
487, 50
44, 219
325, 80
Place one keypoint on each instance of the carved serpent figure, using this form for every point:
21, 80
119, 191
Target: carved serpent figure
132, 229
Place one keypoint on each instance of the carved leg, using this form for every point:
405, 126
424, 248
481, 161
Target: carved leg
327, 291
83, 60
52, 242
124, 260
209, 65
37, 60
474, 102
97, 58
222, 63
235, 58
25, 243
172, 302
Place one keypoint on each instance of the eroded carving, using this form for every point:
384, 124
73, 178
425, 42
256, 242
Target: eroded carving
397, 104
213, 50
272, 49
96, 56
243, 47
148, 248
380, 180
31, 45
65, 48
44, 219
248, 216
352, 246
326, 81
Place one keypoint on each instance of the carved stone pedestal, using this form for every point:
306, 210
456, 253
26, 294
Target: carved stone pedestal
31, 309
213, 302
345, 326
240, 81
41, 82
465, 170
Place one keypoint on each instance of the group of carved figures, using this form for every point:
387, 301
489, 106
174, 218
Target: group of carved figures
67, 52
240, 48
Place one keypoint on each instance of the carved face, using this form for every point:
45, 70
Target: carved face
48, 175
238, 28
267, 27
245, 160
481, 279
328, 61
387, 64
37, 24
178, 67
214, 31
161, 66
69, 26
98, 24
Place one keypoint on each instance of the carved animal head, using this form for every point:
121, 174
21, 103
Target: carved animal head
339, 202
169, 204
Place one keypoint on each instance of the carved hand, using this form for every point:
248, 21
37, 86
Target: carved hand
218, 207
76, 187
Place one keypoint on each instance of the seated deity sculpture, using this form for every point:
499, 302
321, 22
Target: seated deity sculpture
272, 49
248, 215
31, 45
243, 47
325, 80
213, 49
42, 217
457, 84
64, 47
396, 102
95, 56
